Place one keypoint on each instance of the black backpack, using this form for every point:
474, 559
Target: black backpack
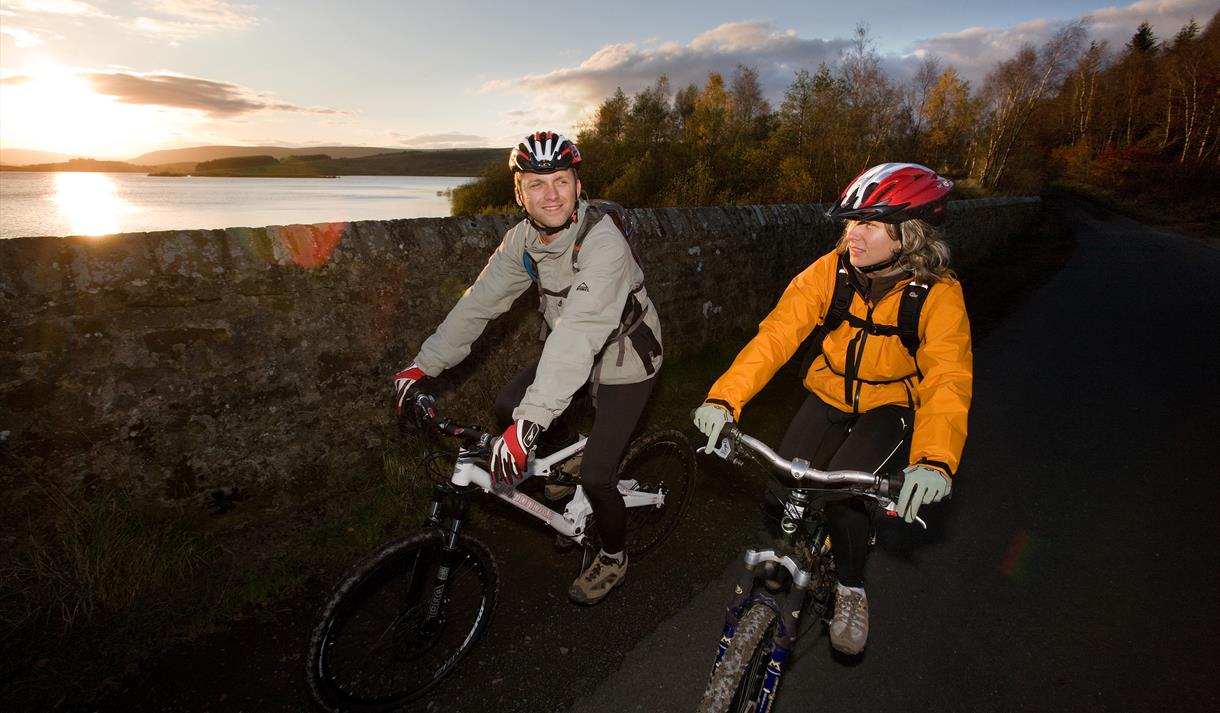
909, 308
593, 215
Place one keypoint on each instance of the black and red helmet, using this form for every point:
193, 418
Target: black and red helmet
543, 152
892, 193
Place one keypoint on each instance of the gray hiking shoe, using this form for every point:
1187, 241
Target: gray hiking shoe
849, 627
602, 575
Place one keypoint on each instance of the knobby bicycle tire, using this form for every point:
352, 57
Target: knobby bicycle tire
735, 684
372, 651
663, 459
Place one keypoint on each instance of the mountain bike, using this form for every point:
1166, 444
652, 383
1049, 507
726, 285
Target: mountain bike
405, 616
763, 621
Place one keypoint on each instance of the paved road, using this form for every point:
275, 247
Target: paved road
1076, 566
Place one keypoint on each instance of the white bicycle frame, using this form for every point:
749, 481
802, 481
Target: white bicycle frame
572, 521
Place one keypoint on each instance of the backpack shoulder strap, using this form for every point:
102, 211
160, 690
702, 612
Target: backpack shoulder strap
593, 215
598, 209
909, 309
840, 299
837, 310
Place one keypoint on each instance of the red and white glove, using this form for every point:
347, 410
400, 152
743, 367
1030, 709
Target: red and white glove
509, 451
403, 381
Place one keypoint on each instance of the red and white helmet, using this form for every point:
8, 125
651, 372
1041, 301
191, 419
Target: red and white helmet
892, 193
543, 152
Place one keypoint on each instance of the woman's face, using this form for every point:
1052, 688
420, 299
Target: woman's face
869, 244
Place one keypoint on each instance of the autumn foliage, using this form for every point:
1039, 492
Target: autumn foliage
1140, 121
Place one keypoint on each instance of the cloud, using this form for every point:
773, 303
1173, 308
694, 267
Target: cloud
54, 7
22, 38
565, 95
440, 141
1118, 24
171, 20
179, 19
975, 51
182, 92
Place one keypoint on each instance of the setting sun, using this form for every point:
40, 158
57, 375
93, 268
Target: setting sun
54, 109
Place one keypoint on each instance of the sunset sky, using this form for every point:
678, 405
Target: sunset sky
114, 79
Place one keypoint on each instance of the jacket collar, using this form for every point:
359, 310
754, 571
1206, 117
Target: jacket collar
874, 286
563, 241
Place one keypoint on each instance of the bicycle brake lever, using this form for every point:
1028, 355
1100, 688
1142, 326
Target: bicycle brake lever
892, 511
725, 449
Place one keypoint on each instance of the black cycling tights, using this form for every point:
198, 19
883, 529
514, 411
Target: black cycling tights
618, 410
831, 439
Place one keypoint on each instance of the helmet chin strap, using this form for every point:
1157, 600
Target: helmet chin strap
547, 230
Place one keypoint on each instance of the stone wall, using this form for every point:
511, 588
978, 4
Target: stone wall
185, 362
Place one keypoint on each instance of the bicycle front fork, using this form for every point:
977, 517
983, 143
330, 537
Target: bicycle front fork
788, 612
436, 582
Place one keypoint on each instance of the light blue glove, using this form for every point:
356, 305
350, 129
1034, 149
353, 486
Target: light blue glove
709, 419
923, 485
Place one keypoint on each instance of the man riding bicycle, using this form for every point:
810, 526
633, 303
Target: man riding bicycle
604, 333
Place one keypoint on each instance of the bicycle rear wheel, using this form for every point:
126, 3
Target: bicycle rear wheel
736, 685
387, 637
659, 461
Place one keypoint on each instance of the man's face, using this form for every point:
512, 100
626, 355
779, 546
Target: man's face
549, 198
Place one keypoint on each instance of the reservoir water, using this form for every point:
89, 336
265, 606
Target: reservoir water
101, 203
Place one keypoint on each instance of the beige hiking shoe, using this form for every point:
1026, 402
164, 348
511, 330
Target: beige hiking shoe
569, 471
602, 575
849, 627
557, 491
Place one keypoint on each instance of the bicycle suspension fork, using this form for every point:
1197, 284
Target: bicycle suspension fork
438, 573
787, 609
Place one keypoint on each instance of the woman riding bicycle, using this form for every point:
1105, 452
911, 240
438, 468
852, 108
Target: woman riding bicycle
873, 389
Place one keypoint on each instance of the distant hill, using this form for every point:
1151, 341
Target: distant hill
80, 164
429, 162
290, 162
21, 157
426, 162
196, 154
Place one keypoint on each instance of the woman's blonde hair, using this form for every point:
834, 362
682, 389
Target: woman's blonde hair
923, 253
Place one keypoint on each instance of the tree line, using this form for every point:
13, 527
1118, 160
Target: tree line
1140, 121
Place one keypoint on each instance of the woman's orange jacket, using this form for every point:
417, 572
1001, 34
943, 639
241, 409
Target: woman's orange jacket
937, 382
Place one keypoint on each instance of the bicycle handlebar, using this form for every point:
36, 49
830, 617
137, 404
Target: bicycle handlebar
424, 407
800, 470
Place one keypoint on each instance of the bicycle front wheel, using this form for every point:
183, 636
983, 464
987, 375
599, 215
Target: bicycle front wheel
737, 683
660, 461
397, 626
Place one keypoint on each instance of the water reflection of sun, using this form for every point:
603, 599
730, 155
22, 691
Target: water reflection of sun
88, 202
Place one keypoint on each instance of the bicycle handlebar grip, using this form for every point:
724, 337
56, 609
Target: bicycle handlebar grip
425, 407
894, 484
